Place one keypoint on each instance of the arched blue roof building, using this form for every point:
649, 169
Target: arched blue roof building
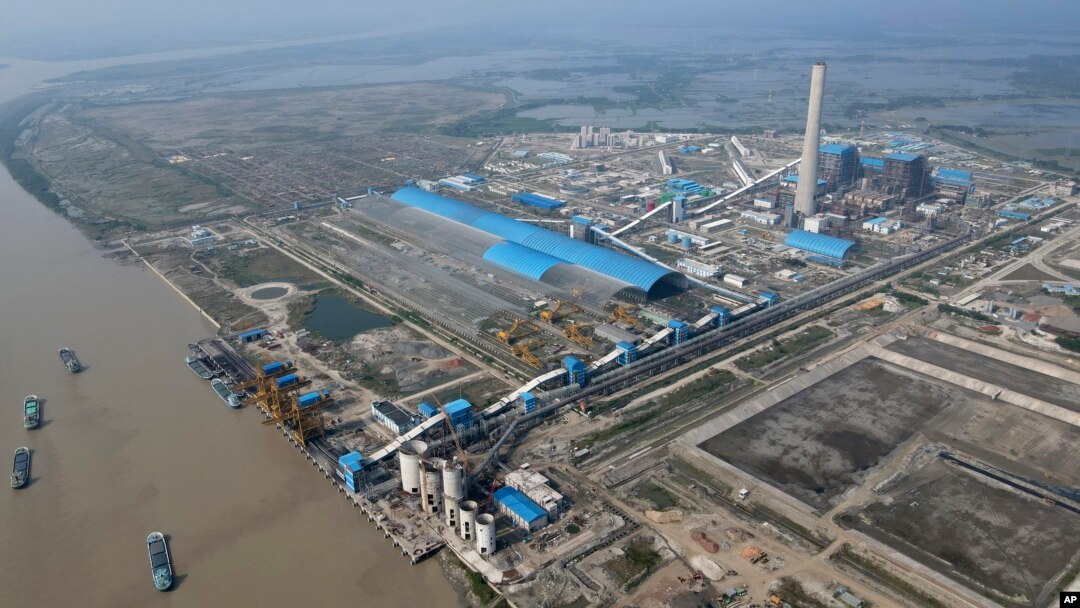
532, 251
821, 244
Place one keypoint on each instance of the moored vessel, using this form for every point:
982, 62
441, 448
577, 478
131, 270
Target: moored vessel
196, 364
160, 564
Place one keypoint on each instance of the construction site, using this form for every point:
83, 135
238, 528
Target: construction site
596, 383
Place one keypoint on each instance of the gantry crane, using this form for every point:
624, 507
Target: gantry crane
575, 335
622, 314
304, 421
514, 332
553, 315
522, 351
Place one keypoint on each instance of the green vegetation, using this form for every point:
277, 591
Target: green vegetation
626, 425
874, 569
638, 559
909, 300
963, 312
261, 266
792, 592
1072, 344
477, 585
793, 346
705, 385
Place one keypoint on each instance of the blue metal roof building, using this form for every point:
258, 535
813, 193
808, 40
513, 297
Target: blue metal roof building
794, 179
872, 164
520, 508
531, 251
459, 411
837, 149
905, 158
528, 198
819, 243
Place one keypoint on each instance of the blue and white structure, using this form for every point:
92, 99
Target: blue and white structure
820, 244
575, 370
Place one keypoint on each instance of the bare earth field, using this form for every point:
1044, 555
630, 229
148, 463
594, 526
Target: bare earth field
253, 120
1008, 545
820, 442
1028, 382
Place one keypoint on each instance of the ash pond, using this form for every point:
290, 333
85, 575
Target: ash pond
337, 318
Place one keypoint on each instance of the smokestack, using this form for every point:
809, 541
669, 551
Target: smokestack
808, 168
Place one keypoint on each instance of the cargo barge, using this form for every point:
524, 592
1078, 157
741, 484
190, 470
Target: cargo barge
71, 362
31, 412
160, 564
231, 399
196, 364
20, 469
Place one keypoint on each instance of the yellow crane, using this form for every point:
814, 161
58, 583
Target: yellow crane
522, 351
575, 335
621, 313
508, 336
552, 315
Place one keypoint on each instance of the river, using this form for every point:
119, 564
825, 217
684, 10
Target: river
137, 442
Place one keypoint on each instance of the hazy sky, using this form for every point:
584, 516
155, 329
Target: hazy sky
124, 26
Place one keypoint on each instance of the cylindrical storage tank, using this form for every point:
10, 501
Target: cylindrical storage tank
409, 455
431, 490
453, 480
467, 511
450, 510
649, 206
687, 242
673, 238
485, 534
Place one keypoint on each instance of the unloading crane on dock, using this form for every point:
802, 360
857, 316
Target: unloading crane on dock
301, 415
515, 331
523, 351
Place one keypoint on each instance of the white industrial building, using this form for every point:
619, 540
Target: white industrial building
739, 147
697, 268
760, 217
736, 280
713, 226
200, 236
816, 224
535, 486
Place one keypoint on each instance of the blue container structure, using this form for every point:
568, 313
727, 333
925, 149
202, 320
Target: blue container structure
723, 315
459, 412
687, 242
680, 331
769, 298
528, 402
520, 508
672, 238
1014, 215
427, 410
543, 202
575, 370
275, 367
684, 185
312, 398
350, 468
286, 381
627, 352
253, 335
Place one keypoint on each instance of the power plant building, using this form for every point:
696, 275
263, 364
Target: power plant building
525, 513
838, 165
535, 487
397, 420
906, 176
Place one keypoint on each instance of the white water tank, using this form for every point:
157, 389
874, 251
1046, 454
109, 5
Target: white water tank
453, 480
431, 490
467, 512
450, 511
485, 534
409, 461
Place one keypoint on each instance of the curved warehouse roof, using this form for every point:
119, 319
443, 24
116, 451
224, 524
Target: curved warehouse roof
818, 243
531, 250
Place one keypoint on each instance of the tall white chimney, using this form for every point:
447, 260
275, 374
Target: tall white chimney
808, 168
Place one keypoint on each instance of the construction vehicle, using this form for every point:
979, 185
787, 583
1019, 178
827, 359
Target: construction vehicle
515, 331
622, 314
553, 315
574, 334
523, 351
